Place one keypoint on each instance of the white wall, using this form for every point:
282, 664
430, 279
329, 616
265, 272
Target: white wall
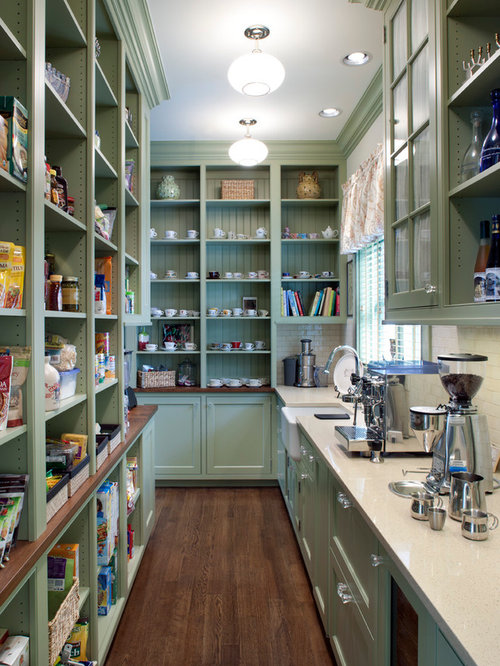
366, 146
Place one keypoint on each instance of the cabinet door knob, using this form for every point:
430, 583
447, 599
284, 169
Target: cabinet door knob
376, 560
312, 458
344, 594
303, 451
304, 476
430, 288
344, 500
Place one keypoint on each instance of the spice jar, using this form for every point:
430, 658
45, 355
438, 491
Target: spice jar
70, 294
55, 293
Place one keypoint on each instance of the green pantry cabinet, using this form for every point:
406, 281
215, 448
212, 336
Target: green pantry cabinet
63, 32
432, 218
368, 610
212, 436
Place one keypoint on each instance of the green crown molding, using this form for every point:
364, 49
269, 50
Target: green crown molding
379, 5
195, 152
133, 23
362, 118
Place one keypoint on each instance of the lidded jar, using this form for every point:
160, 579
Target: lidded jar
186, 373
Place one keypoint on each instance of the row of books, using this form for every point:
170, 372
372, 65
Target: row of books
326, 303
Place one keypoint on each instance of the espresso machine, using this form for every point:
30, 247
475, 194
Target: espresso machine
306, 361
457, 435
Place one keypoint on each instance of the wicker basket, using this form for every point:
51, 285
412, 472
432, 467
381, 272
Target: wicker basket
78, 475
154, 379
114, 434
63, 622
237, 189
57, 497
101, 450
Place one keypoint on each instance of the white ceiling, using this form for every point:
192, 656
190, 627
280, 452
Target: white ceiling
199, 39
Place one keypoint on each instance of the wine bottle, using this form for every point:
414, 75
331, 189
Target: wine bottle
481, 261
472, 156
490, 152
492, 277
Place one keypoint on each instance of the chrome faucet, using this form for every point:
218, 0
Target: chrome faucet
355, 395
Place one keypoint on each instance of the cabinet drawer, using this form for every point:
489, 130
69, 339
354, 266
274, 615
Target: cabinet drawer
354, 543
350, 637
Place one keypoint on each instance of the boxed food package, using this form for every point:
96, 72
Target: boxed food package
6, 363
107, 521
15, 279
20, 367
16, 116
104, 590
104, 266
15, 651
79, 441
78, 640
70, 551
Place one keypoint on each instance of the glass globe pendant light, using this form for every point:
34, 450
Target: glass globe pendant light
247, 151
256, 73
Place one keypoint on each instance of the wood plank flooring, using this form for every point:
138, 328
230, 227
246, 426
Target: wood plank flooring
221, 582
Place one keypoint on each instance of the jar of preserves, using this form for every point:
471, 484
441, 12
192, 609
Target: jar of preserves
55, 292
70, 294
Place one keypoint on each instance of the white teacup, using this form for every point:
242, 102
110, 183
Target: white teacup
214, 383
192, 233
237, 312
252, 275
242, 236
170, 274
183, 313
213, 312
153, 276
226, 346
150, 346
237, 275
194, 313
249, 346
254, 382
234, 383
153, 233
192, 275
219, 233
327, 274
260, 344
304, 274
261, 232
226, 313
263, 313
228, 275
231, 235
214, 346
263, 275
170, 233
189, 346
170, 312
251, 313
170, 346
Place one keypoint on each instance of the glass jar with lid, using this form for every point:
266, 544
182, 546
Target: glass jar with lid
55, 293
186, 373
70, 294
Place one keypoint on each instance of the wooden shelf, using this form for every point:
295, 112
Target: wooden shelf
238, 352
12, 312
476, 90
103, 244
310, 202
56, 314
62, 28
235, 241
310, 240
308, 320
106, 385
57, 220
130, 139
236, 318
175, 280
131, 261
104, 95
110, 317
322, 279
237, 203
103, 168
485, 184
175, 318
11, 433
10, 47
10, 184
464, 8
175, 241
60, 122
168, 351
130, 199
165, 203
66, 404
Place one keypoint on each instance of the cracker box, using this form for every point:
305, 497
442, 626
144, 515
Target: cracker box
104, 590
15, 651
70, 551
16, 116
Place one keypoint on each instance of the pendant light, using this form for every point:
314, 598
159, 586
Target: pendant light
256, 73
247, 151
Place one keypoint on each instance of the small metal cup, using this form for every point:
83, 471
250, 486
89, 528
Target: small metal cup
436, 516
420, 504
476, 524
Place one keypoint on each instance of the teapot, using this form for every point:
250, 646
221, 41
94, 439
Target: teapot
308, 187
261, 232
328, 232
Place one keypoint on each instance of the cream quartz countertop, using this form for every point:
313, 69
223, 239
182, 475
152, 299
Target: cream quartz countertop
457, 580
294, 396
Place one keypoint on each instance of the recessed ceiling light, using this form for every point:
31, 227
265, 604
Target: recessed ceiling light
330, 112
356, 58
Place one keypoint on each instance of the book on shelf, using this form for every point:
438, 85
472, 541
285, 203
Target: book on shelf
299, 303
314, 304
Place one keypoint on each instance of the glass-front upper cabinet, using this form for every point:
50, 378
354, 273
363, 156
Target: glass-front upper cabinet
411, 155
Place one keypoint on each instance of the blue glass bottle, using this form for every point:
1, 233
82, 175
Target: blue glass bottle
490, 153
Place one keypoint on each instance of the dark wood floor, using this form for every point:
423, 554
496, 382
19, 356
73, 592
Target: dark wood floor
221, 582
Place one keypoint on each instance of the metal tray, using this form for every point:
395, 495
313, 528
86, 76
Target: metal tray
406, 487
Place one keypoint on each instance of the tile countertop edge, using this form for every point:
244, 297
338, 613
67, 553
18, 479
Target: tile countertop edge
437, 565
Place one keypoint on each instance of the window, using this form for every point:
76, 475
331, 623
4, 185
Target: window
373, 337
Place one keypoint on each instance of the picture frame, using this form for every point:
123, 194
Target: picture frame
249, 303
177, 333
350, 287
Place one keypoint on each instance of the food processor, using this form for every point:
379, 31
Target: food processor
465, 444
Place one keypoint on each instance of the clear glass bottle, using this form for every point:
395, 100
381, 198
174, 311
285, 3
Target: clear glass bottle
490, 153
472, 156
492, 271
481, 261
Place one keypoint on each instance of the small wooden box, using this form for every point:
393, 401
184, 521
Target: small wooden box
237, 189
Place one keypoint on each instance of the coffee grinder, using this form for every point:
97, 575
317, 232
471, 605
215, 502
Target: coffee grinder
465, 444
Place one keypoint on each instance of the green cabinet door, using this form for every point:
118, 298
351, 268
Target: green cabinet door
320, 582
445, 654
239, 436
178, 435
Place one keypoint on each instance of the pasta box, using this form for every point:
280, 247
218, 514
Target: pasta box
15, 651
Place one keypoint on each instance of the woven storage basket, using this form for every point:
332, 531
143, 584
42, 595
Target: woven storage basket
101, 450
114, 433
237, 189
155, 379
78, 475
63, 622
57, 497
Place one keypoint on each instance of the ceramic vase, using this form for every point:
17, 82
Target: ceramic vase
308, 187
168, 189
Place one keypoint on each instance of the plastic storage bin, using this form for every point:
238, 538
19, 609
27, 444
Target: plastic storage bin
68, 383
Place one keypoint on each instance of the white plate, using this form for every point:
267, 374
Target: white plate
344, 368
